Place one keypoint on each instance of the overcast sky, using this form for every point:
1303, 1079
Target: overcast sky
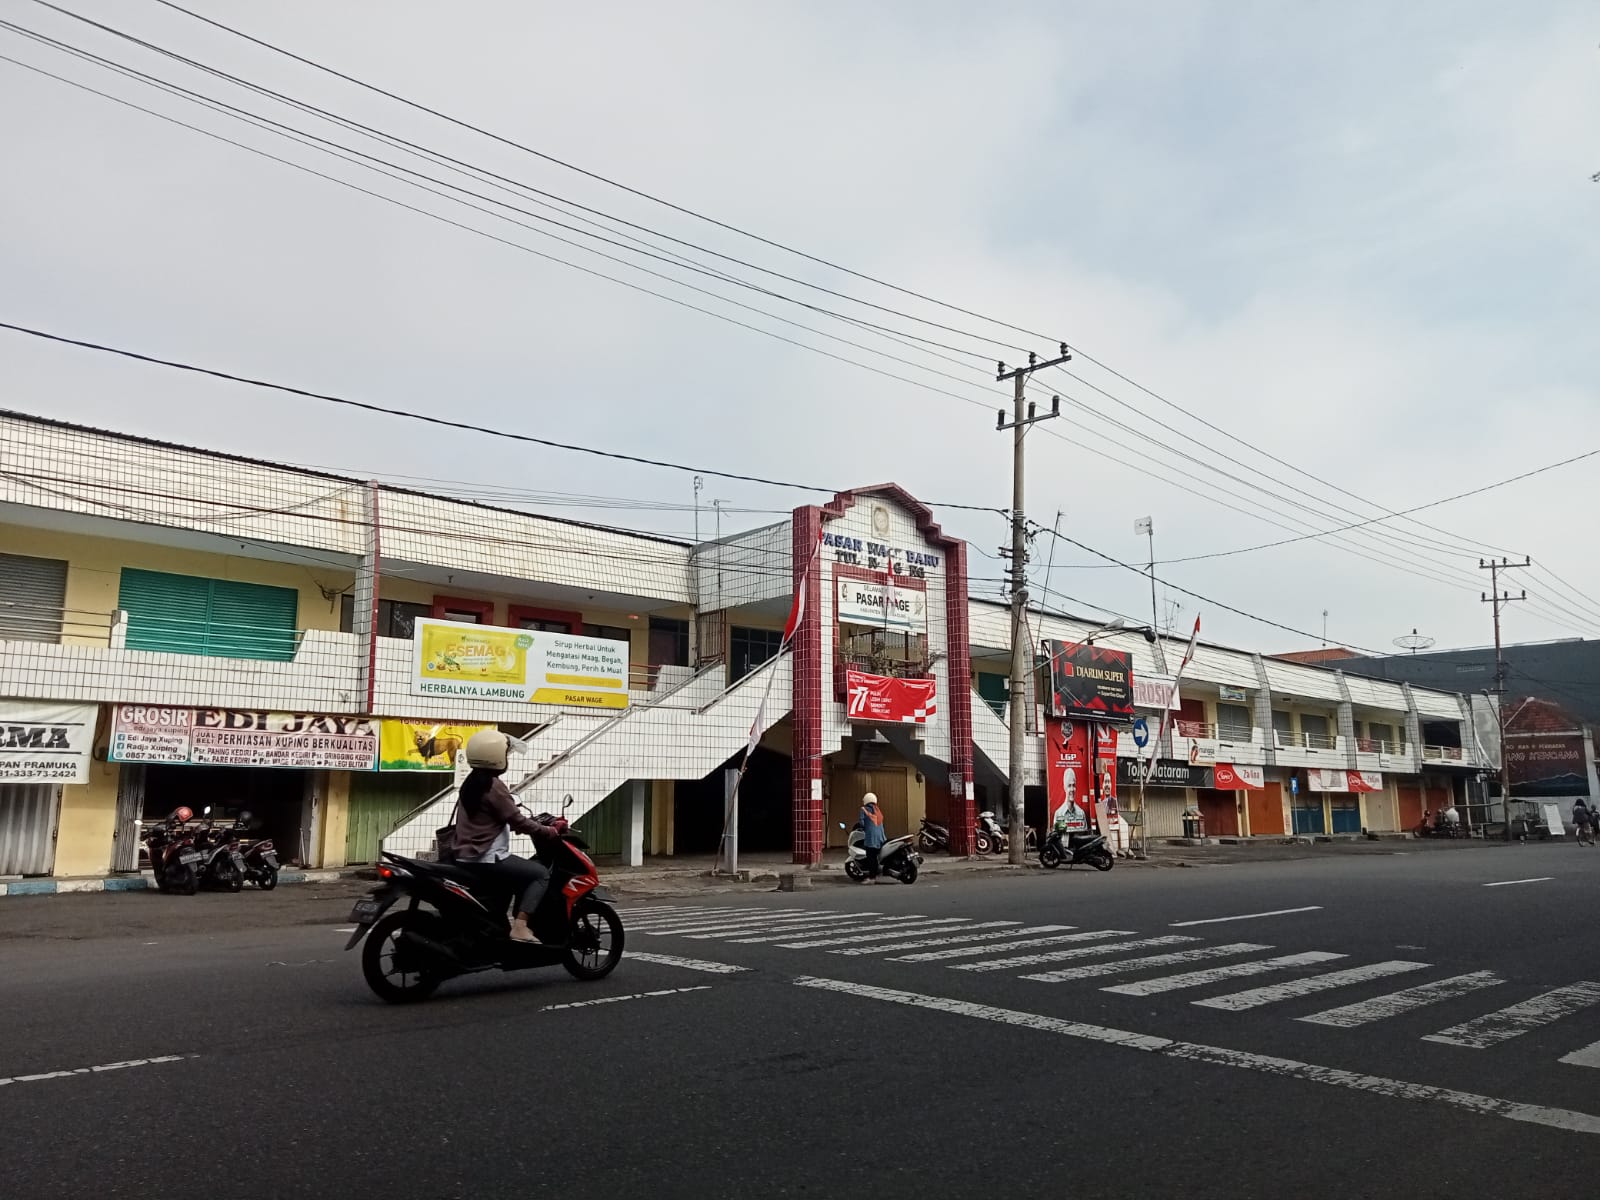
1359, 237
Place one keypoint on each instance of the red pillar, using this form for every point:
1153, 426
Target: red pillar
806, 673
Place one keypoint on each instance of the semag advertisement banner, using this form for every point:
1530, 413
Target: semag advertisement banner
880, 698
460, 660
1089, 681
41, 742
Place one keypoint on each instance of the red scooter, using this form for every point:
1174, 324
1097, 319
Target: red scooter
175, 860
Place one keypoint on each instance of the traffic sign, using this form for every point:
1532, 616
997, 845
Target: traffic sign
1141, 733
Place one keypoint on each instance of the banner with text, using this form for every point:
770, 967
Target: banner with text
45, 743
228, 737
422, 745
1069, 784
879, 698
863, 602
459, 660
1233, 778
1089, 681
1155, 691
1547, 764
1169, 772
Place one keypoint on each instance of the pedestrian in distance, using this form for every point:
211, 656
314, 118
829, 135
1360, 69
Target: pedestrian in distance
870, 822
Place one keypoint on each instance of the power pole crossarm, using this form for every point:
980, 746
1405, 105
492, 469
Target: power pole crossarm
1498, 598
1023, 415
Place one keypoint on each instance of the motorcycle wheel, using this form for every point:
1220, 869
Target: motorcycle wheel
230, 880
1050, 855
855, 870
267, 879
1101, 860
594, 944
390, 966
982, 843
181, 880
926, 842
909, 874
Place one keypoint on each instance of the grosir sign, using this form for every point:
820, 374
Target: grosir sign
1089, 681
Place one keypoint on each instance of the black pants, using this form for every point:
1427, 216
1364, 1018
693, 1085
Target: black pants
523, 877
872, 853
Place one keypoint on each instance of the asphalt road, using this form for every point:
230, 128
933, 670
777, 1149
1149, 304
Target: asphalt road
723, 1065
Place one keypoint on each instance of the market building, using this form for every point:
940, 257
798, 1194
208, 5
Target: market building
184, 627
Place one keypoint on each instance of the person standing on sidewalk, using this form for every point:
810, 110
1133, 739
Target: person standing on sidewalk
870, 822
1583, 822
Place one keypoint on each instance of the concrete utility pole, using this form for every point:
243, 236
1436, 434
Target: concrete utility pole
1497, 598
1021, 669
1147, 526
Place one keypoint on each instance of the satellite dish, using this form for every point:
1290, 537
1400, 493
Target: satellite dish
1413, 641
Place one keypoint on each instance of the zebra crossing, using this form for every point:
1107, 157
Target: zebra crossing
1206, 973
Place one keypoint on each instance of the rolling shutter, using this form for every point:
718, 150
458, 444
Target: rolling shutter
33, 592
187, 614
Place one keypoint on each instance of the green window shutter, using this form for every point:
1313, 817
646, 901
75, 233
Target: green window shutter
249, 620
187, 614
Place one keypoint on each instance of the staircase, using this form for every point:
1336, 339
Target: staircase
684, 733
992, 737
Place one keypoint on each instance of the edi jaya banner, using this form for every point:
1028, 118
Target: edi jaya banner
459, 660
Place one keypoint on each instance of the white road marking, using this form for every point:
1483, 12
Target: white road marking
1093, 970
116, 1066
1277, 912
1495, 1027
712, 924
1510, 882
797, 925
1378, 1085
925, 926
688, 964
1190, 979
1028, 960
975, 951
351, 929
1381, 1007
1589, 1056
699, 987
670, 920
1010, 928
1272, 993
856, 922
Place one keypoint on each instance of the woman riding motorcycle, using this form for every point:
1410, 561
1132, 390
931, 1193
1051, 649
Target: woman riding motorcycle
487, 814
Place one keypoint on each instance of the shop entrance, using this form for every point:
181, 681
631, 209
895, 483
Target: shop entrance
1265, 809
275, 798
890, 785
1346, 812
1307, 812
27, 828
379, 801
1220, 810
766, 808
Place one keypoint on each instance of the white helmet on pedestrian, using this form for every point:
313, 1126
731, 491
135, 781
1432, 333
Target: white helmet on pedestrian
488, 750
869, 798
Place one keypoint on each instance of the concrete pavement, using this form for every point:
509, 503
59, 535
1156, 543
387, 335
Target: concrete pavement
839, 1052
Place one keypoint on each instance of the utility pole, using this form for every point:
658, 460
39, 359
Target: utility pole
1496, 597
1021, 640
1147, 526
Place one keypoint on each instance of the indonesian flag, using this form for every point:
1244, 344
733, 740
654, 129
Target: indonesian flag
1172, 699
755, 730
797, 610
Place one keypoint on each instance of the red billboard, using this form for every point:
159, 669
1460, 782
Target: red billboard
1069, 785
1089, 681
882, 698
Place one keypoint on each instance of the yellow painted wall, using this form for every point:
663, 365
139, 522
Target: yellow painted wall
88, 819
94, 576
334, 787
663, 794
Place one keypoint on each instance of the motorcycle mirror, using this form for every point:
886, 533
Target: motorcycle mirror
841, 825
206, 811
567, 803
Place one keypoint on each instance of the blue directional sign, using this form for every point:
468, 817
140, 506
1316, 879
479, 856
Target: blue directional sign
1294, 785
1141, 733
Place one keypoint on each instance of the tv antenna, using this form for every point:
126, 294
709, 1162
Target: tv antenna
1413, 641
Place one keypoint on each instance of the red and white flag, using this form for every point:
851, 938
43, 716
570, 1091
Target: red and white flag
1172, 701
797, 610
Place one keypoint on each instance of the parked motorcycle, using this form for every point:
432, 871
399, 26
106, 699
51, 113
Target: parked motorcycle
175, 861
1074, 848
990, 837
223, 868
466, 929
260, 857
933, 836
897, 859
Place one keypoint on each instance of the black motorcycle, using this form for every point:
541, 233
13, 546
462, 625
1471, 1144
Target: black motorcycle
1074, 848
260, 855
223, 869
465, 928
933, 836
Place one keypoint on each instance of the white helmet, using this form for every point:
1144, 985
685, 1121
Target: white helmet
869, 798
488, 749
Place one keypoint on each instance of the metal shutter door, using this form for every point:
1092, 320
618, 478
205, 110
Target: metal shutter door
251, 620
27, 828
33, 592
165, 612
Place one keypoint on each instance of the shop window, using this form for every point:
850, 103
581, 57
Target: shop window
188, 614
33, 597
1314, 727
611, 633
749, 648
995, 691
1283, 728
1234, 723
543, 620
669, 642
468, 612
396, 618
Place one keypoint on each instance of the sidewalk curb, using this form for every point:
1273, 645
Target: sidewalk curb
140, 883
